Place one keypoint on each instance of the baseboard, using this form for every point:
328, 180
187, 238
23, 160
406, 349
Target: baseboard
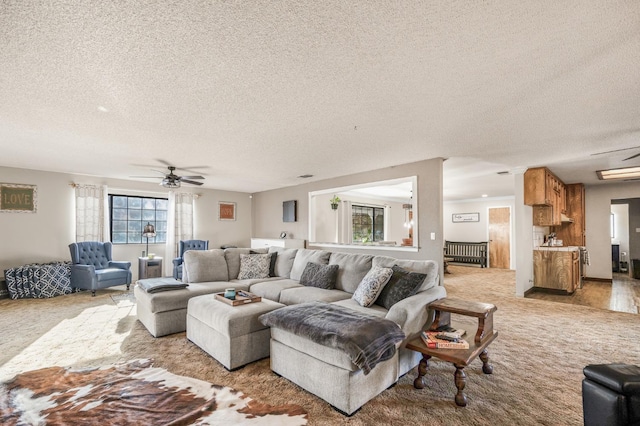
528, 292
602, 280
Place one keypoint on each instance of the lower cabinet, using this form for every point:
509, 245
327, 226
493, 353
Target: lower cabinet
557, 270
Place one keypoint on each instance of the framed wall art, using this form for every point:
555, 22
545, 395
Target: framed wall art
226, 210
290, 211
465, 217
18, 198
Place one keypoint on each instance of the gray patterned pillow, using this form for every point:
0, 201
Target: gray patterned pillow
371, 285
321, 276
402, 284
254, 266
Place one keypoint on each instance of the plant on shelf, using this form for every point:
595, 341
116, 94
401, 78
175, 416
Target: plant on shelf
334, 202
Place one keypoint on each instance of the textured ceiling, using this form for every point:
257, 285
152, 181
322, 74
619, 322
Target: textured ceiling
264, 91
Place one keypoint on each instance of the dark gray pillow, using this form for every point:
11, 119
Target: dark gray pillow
272, 265
321, 276
401, 285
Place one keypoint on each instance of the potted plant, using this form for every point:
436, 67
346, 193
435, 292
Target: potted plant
334, 202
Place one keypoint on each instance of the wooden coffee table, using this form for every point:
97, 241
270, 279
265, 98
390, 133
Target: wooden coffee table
459, 357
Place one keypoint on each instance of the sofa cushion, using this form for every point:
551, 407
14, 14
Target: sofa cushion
401, 285
295, 295
165, 301
321, 276
372, 310
352, 268
204, 265
428, 267
271, 289
305, 256
371, 285
284, 261
254, 266
232, 255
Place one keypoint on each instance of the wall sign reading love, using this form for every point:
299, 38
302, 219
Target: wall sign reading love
18, 198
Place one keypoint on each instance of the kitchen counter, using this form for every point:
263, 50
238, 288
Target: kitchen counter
568, 248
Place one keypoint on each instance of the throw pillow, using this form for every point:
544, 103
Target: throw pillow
371, 285
402, 284
254, 266
321, 276
272, 264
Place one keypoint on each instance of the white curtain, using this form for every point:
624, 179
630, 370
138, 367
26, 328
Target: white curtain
179, 225
92, 215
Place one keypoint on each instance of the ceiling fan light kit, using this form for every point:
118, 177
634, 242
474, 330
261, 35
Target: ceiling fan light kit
171, 180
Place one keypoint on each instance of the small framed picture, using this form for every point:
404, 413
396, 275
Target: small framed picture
18, 198
226, 210
465, 217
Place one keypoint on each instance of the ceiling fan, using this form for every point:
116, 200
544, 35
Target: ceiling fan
172, 180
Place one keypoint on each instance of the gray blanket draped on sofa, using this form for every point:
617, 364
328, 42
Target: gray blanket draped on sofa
366, 339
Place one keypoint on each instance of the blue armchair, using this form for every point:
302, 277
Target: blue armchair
92, 267
187, 245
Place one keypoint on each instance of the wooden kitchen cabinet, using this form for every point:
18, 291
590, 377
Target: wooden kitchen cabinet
556, 269
546, 193
573, 234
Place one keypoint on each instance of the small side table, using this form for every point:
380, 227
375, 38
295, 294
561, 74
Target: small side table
459, 357
149, 268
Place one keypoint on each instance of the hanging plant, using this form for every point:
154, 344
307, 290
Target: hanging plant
334, 202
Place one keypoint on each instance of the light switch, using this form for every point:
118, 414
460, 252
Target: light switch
433, 234
637, 229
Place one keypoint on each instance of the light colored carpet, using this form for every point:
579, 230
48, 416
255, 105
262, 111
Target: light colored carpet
538, 356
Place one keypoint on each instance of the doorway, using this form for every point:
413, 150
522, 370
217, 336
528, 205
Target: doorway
500, 237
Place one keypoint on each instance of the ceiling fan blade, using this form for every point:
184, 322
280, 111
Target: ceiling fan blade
192, 182
144, 177
633, 156
192, 177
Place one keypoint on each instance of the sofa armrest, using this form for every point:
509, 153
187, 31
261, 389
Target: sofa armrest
120, 264
411, 313
83, 276
177, 261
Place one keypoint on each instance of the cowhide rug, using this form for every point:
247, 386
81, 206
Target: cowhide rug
131, 393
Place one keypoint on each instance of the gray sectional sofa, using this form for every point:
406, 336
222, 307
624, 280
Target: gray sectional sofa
323, 371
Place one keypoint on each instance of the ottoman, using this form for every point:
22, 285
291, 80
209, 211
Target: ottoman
230, 334
611, 394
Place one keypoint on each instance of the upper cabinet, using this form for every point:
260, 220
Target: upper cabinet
556, 204
547, 193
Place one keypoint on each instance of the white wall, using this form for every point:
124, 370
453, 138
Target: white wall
477, 231
598, 210
44, 236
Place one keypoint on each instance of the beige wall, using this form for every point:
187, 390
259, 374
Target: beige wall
598, 210
45, 235
267, 207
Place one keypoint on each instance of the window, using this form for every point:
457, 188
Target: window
128, 215
368, 223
